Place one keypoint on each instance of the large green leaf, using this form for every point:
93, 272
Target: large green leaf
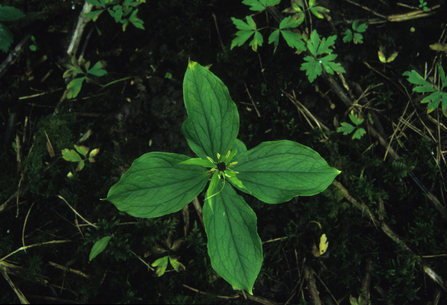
234, 245
156, 185
213, 121
10, 13
276, 172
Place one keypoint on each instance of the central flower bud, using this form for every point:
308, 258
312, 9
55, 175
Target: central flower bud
221, 166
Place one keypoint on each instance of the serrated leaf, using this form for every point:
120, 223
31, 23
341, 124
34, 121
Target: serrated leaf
99, 247
325, 44
294, 40
243, 36
358, 38
288, 23
415, 78
354, 118
260, 5
71, 155
257, 41
358, 134
274, 38
97, 70
213, 120
346, 128
347, 36
360, 28
10, 13
157, 185
277, 171
241, 25
234, 245
312, 68
313, 43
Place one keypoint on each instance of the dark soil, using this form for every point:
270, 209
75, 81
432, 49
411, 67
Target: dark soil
385, 220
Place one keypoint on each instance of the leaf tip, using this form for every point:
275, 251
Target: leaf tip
191, 64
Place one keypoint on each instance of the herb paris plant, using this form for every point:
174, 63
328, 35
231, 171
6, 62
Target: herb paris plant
160, 183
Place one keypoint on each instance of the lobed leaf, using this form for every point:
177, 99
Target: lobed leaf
346, 128
257, 41
294, 40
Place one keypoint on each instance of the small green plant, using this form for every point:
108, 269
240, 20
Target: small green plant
33, 46
423, 5
118, 11
316, 62
74, 87
355, 36
299, 10
161, 183
437, 96
99, 247
162, 263
8, 13
73, 156
347, 128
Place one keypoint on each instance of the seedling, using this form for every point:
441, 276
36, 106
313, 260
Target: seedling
384, 59
437, 94
118, 12
73, 156
74, 87
355, 36
347, 128
162, 263
315, 63
160, 183
423, 5
299, 10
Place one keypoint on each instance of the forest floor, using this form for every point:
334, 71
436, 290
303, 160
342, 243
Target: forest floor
384, 216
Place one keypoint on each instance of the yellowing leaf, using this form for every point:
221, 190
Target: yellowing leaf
439, 47
323, 244
385, 60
